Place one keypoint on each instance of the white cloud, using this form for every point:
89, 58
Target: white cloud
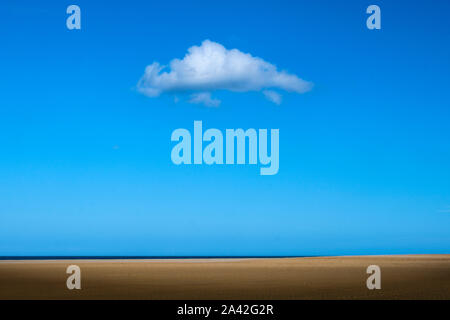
273, 96
204, 98
210, 67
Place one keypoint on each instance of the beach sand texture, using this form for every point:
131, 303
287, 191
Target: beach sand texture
402, 277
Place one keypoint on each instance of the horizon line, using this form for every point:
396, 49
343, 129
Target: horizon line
168, 257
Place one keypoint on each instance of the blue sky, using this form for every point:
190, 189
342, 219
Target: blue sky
85, 163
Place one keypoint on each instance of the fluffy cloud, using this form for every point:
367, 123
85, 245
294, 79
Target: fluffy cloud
272, 96
211, 67
204, 98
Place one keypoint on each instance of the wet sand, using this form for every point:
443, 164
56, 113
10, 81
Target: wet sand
402, 277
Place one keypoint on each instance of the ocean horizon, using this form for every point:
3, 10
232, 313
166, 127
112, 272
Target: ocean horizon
137, 257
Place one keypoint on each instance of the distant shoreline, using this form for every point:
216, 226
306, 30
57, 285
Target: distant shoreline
45, 258
141, 257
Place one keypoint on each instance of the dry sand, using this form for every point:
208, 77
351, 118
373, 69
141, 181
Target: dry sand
402, 277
